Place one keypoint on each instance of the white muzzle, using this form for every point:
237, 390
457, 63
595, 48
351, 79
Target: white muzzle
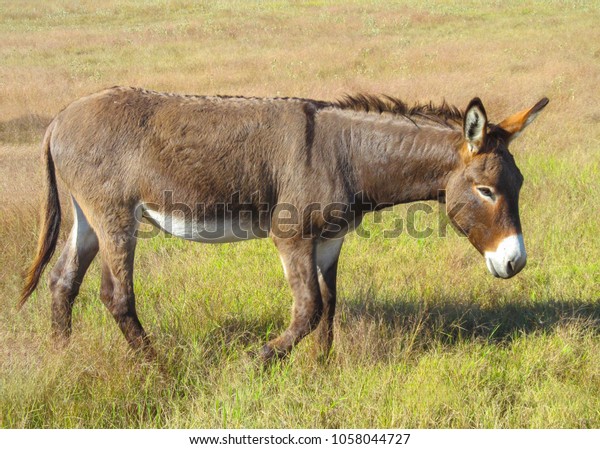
508, 259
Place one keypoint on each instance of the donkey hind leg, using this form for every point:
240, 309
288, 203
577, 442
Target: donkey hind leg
68, 273
117, 249
298, 258
328, 253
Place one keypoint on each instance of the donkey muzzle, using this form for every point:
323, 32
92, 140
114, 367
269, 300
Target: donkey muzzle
509, 257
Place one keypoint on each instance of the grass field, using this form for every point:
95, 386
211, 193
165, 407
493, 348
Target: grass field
425, 336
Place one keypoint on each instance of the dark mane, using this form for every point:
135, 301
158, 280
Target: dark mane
385, 103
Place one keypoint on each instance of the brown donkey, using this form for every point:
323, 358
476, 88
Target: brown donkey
300, 171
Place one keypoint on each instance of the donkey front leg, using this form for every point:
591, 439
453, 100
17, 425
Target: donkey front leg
328, 253
299, 264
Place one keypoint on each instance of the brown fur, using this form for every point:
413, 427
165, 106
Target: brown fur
120, 150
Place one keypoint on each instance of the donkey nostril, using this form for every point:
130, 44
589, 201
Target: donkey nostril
511, 266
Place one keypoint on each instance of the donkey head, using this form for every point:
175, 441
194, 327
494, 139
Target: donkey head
482, 195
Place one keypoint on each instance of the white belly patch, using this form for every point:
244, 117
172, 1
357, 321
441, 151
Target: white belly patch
206, 231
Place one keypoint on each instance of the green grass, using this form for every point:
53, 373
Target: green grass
425, 337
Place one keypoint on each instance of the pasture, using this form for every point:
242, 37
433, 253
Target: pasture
425, 336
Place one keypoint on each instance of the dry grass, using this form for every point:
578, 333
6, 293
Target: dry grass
425, 337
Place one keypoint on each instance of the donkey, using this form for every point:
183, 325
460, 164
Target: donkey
265, 167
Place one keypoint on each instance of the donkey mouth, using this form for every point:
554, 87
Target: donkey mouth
508, 259
509, 270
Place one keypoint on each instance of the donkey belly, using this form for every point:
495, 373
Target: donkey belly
205, 230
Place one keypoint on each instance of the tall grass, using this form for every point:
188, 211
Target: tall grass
425, 337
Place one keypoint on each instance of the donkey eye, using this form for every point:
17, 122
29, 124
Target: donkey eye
486, 192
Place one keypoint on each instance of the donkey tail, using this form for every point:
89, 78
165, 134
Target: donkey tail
50, 224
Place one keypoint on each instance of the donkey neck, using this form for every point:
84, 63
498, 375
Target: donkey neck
396, 159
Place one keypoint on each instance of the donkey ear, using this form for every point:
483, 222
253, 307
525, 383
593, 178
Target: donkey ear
516, 123
475, 125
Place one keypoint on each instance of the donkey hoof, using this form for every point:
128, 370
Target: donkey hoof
60, 340
268, 354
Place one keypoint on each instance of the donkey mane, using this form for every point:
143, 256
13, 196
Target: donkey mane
385, 103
